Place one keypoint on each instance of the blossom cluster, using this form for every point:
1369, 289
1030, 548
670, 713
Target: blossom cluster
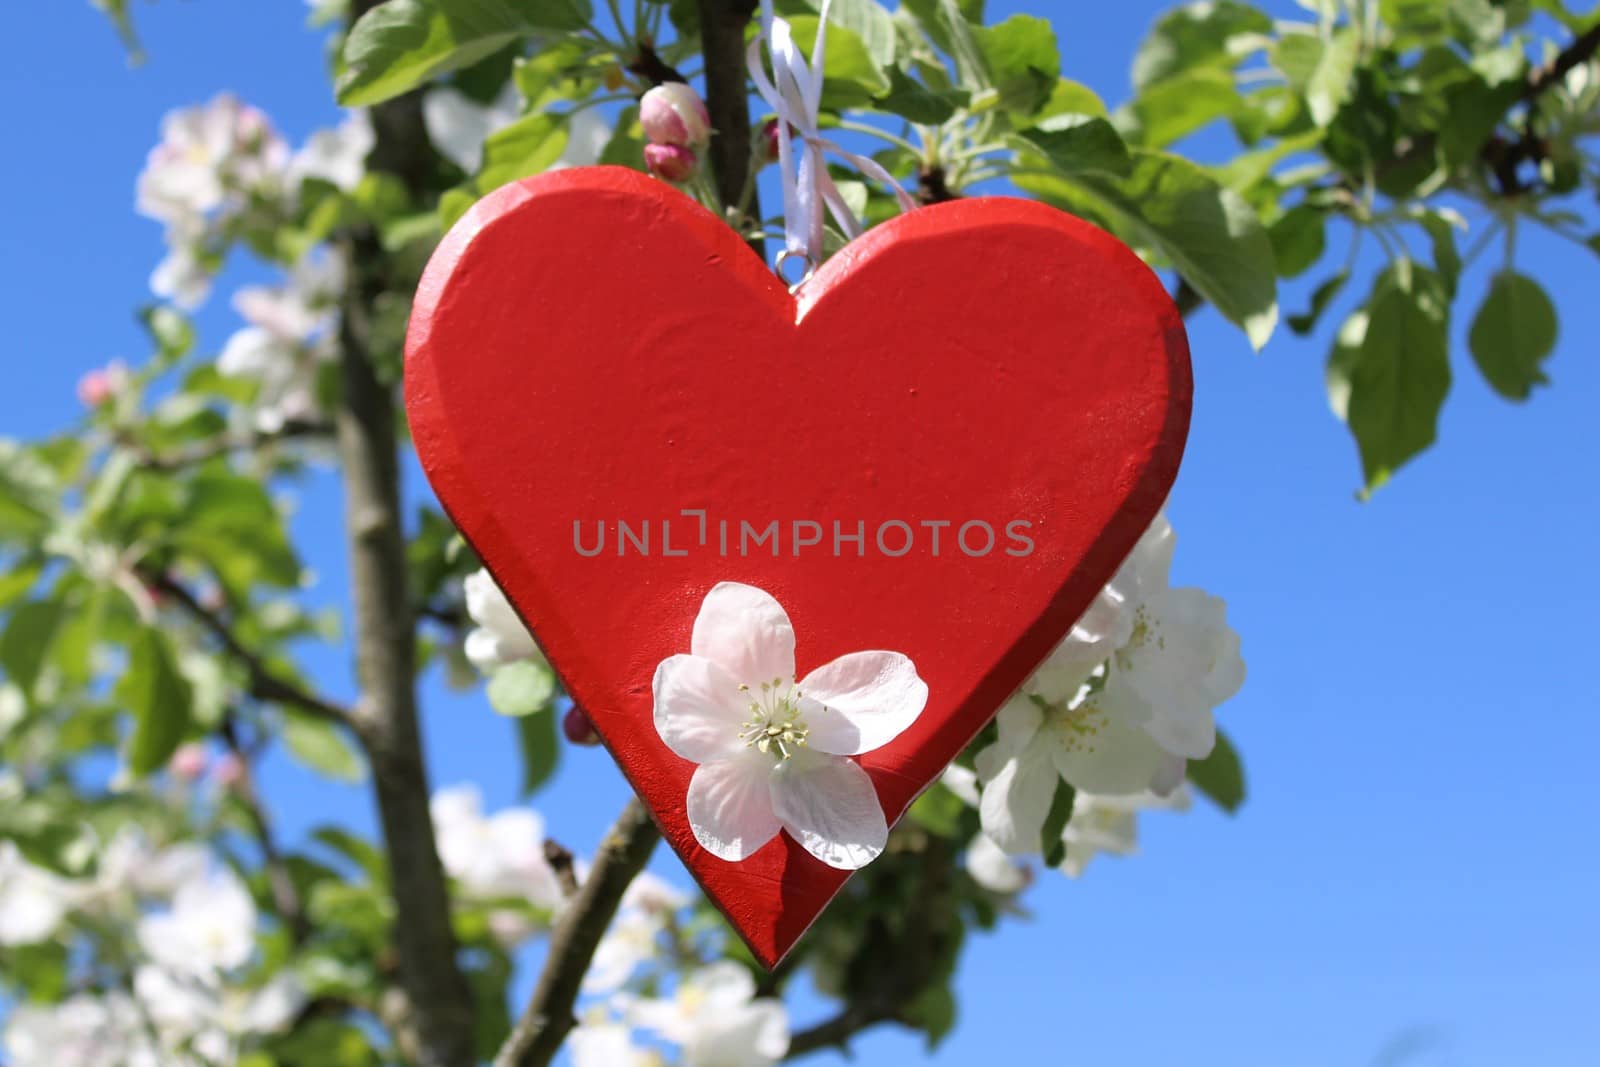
1116, 712
192, 998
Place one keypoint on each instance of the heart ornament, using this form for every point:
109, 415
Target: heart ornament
931, 458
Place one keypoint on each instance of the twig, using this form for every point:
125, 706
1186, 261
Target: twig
264, 683
836, 1032
648, 64
564, 864
284, 893
547, 1019
200, 452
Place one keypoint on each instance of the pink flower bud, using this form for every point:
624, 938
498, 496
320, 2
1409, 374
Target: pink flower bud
674, 163
228, 771
188, 763
94, 388
769, 140
579, 730
674, 114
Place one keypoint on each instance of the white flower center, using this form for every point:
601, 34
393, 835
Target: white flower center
775, 726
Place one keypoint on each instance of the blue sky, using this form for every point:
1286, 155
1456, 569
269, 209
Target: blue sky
1417, 855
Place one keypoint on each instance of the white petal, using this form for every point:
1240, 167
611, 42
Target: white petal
862, 701
1099, 746
991, 868
698, 708
753, 1035
747, 632
730, 806
828, 804
1017, 799
723, 986
1018, 721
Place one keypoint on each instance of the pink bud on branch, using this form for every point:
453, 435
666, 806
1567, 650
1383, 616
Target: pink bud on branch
673, 163
674, 114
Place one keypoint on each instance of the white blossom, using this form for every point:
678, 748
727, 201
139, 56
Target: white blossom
210, 928
190, 1012
499, 636
992, 868
33, 901
500, 856
635, 936
718, 1020
208, 155
1120, 706
774, 754
85, 1030
608, 1044
337, 156
283, 344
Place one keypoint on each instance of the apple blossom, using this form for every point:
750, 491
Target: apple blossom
337, 156
993, 869
84, 1030
207, 155
635, 936
283, 343
673, 114
670, 162
1119, 706
718, 1020
188, 762
102, 384
210, 928
493, 857
33, 901
500, 636
187, 1012
608, 1044
773, 754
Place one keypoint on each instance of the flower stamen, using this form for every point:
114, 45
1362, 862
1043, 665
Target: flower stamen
775, 726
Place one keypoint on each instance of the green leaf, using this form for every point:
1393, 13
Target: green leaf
1401, 373
1208, 232
1175, 107
521, 688
1220, 775
401, 44
1513, 333
1298, 240
1022, 60
323, 747
29, 633
915, 102
1073, 98
1329, 84
1198, 35
1055, 824
540, 747
1440, 225
527, 146
27, 501
158, 696
851, 78
939, 811
1074, 143
867, 19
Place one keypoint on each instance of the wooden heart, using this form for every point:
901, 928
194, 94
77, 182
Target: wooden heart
592, 353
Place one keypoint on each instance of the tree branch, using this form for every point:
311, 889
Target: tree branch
284, 893
836, 1032
195, 454
547, 1019
439, 999
722, 28
264, 683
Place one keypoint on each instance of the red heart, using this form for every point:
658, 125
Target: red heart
592, 345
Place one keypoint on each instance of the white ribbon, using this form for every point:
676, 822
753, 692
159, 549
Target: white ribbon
795, 94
